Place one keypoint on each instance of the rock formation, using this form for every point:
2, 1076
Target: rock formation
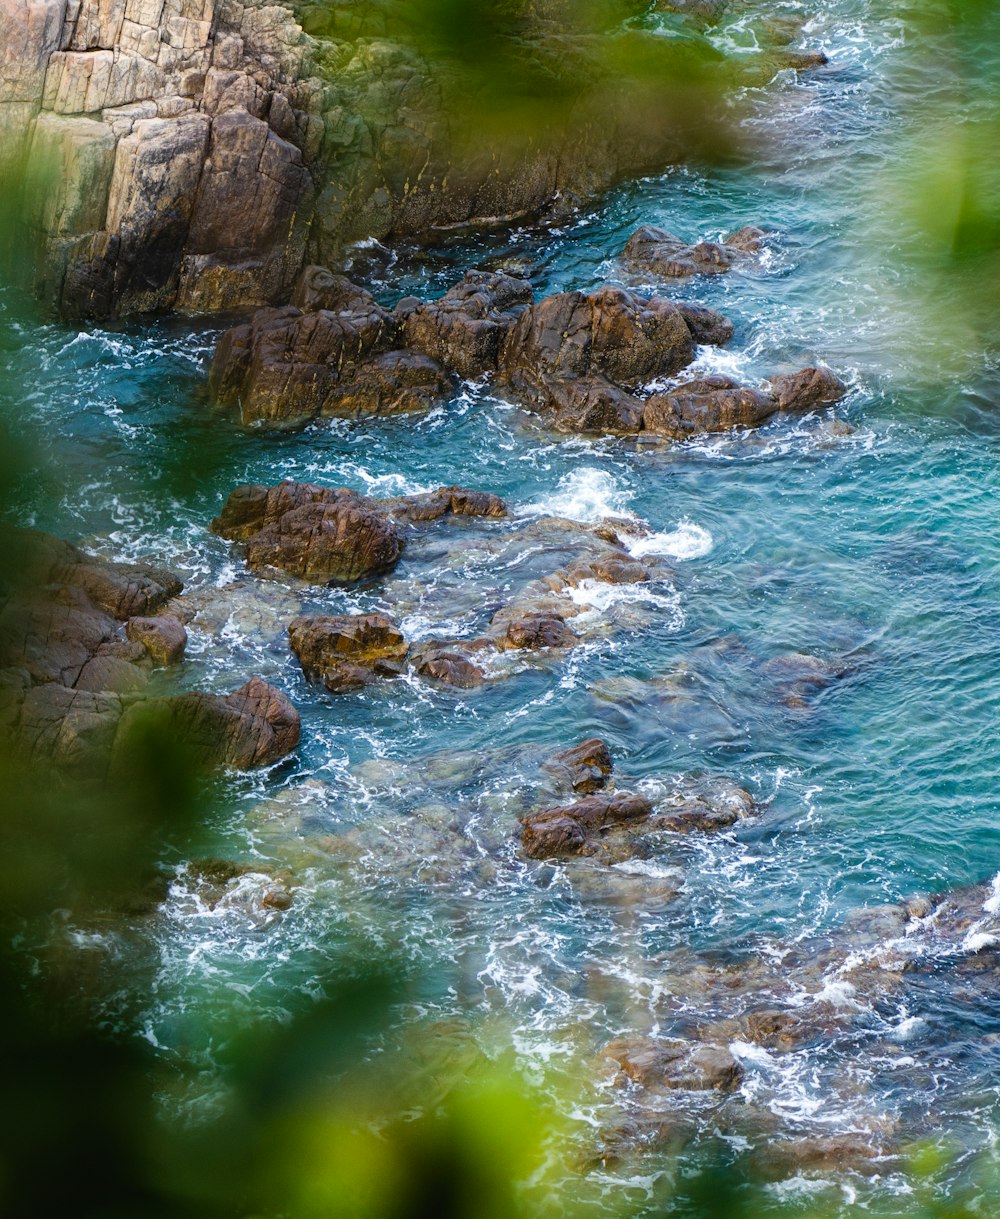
78, 637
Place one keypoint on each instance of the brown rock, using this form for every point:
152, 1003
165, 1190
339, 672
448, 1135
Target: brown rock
676, 1064
706, 805
398, 382
706, 325
654, 249
320, 534
254, 726
347, 651
164, 637
535, 631
611, 333
586, 767
467, 327
451, 669
807, 389
446, 501
712, 404
574, 829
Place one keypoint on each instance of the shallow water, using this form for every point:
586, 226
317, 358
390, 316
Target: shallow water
875, 548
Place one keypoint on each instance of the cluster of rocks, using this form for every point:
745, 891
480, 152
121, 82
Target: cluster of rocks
78, 639
655, 251
581, 359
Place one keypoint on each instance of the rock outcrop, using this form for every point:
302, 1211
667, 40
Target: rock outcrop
189, 153
330, 535
347, 651
78, 638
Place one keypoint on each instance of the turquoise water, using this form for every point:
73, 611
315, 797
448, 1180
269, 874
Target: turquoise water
874, 547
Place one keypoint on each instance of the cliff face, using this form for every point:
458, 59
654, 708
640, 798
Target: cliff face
187, 153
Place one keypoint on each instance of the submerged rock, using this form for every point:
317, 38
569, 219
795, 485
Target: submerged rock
672, 1063
348, 651
654, 249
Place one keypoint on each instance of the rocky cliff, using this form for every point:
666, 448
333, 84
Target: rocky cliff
189, 153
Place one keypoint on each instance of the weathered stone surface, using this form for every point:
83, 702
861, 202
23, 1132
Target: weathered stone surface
163, 637
448, 667
285, 366
807, 389
536, 631
466, 329
446, 501
256, 725
611, 333
712, 404
706, 325
706, 805
76, 642
347, 651
332, 535
585, 767
655, 250
574, 829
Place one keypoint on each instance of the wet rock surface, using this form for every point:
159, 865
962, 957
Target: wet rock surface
348, 651
78, 638
330, 535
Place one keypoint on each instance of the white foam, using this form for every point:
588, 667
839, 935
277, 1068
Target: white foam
687, 541
586, 494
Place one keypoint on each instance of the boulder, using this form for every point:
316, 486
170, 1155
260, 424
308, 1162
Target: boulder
321, 534
807, 389
163, 637
611, 333
655, 250
584, 767
706, 805
536, 631
445, 501
449, 667
285, 366
466, 329
256, 725
347, 651
574, 829
711, 404
673, 1064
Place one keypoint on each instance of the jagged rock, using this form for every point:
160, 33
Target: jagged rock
285, 367
347, 651
712, 404
676, 1064
574, 829
256, 725
586, 767
807, 389
706, 805
706, 325
466, 329
320, 534
610, 333
450, 668
446, 501
535, 631
163, 637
